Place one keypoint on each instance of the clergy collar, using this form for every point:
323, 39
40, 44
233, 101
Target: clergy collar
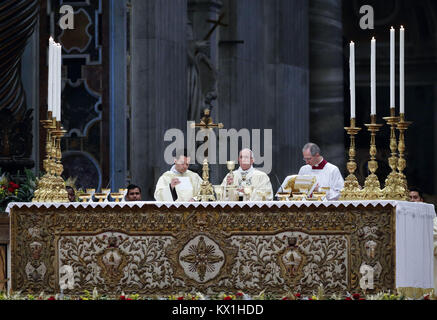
173, 170
245, 171
320, 165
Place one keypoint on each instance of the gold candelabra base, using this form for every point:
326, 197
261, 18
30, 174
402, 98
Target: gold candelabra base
392, 190
372, 187
51, 187
402, 127
352, 188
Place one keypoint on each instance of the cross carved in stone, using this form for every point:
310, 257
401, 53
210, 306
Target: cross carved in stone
216, 24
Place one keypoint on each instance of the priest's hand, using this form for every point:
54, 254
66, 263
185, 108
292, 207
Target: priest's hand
230, 180
174, 182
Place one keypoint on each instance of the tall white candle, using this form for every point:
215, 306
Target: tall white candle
402, 71
55, 78
59, 81
373, 77
50, 76
352, 77
392, 68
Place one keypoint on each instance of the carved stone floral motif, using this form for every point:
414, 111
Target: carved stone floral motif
201, 259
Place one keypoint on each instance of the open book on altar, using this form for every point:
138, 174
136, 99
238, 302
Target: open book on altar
302, 184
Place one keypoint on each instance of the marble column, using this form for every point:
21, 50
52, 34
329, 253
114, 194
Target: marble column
118, 94
264, 81
326, 80
158, 85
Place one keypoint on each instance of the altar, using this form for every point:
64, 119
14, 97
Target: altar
159, 248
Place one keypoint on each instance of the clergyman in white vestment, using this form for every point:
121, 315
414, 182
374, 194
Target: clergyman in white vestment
178, 184
327, 174
247, 175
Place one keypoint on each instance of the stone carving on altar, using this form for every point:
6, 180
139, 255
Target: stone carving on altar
201, 259
66, 278
371, 268
291, 260
206, 249
112, 262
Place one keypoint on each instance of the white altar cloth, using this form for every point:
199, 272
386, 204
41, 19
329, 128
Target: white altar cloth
414, 229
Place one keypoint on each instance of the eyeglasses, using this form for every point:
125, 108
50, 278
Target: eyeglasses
307, 159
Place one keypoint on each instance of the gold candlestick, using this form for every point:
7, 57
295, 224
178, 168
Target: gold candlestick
59, 192
391, 190
402, 126
352, 188
51, 187
43, 192
372, 190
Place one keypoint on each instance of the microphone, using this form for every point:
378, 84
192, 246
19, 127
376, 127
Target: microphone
110, 180
280, 185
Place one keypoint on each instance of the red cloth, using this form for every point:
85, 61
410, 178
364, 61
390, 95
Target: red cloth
320, 166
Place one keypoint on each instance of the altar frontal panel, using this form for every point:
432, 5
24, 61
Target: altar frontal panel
163, 251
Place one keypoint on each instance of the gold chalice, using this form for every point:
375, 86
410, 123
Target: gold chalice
298, 196
283, 196
100, 196
85, 197
117, 196
318, 196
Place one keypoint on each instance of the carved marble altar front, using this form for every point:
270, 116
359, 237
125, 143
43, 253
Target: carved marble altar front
150, 250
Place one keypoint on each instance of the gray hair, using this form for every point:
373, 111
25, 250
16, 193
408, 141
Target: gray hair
314, 148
